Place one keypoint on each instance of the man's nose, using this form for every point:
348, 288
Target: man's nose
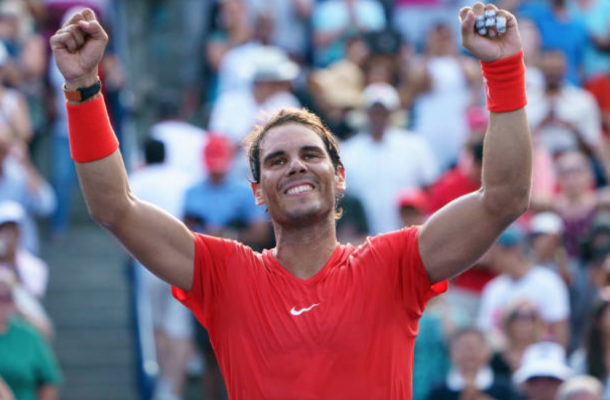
296, 166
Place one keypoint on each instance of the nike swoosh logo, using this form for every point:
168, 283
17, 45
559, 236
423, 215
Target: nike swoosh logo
302, 310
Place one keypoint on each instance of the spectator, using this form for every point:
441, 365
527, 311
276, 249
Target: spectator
182, 140
542, 371
220, 205
581, 387
442, 82
336, 91
522, 326
334, 21
27, 364
470, 376
401, 157
546, 230
271, 90
592, 357
562, 117
412, 18
22, 183
595, 15
33, 272
235, 29
291, 23
412, 204
164, 186
577, 200
559, 30
522, 280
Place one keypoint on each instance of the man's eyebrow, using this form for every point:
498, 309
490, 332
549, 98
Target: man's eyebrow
312, 148
273, 155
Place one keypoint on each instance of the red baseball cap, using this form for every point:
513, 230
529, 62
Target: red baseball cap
415, 198
218, 154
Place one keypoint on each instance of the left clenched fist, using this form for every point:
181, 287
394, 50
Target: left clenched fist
489, 33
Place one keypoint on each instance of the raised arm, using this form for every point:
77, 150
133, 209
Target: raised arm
160, 242
458, 234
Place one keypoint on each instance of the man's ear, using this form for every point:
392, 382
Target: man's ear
340, 184
258, 193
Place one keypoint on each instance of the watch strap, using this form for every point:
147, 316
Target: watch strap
82, 94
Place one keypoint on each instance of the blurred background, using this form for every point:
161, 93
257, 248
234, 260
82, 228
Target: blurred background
185, 80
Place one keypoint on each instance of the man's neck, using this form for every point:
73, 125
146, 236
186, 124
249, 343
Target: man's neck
304, 251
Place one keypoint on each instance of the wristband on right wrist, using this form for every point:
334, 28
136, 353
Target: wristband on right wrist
91, 135
504, 81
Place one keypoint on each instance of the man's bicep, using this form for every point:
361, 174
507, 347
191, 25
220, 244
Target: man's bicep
457, 235
160, 242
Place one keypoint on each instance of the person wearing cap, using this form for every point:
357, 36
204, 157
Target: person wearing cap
470, 376
164, 185
545, 238
21, 182
309, 318
412, 204
27, 365
582, 387
520, 279
32, 271
542, 371
402, 158
237, 111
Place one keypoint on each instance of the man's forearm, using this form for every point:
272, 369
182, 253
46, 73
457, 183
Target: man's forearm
507, 164
105, 187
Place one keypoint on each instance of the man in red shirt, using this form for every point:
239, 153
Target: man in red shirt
311, 318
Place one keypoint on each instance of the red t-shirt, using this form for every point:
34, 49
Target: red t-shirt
346, 333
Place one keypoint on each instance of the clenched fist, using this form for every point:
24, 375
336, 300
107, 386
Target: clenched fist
78, 47
489, 33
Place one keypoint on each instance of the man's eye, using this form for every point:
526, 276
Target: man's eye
309, 156
278, 161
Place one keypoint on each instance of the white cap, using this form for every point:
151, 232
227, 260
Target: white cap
543, 359
273, 65
381, 93
546, 222
11, 211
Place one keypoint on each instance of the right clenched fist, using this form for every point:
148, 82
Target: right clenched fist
78, 47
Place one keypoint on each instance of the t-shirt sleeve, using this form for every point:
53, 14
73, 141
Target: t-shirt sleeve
47, 371
399, 251
212, 255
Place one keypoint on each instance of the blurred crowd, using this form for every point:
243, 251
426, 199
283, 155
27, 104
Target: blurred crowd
529, 321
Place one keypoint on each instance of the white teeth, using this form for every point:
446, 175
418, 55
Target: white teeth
300, 189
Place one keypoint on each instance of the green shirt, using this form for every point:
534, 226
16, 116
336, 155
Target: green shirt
26, 360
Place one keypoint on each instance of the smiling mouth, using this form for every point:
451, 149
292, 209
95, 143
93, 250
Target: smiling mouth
299, 189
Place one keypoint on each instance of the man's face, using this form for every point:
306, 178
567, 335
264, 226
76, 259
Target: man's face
541, 388
574, 174
298, 182
469, 353
379, 117
553, 68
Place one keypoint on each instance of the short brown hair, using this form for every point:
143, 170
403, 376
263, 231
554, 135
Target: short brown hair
252, 142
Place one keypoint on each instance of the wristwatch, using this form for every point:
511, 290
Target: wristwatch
82, 94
